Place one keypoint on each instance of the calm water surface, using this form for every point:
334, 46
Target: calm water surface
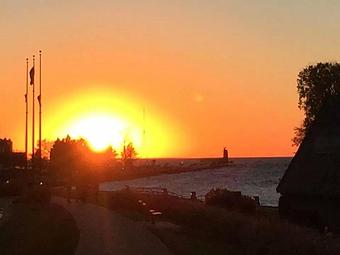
251, 176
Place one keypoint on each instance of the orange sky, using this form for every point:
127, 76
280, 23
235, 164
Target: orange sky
208, 74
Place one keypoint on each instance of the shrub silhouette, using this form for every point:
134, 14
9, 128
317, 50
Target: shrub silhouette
231, 200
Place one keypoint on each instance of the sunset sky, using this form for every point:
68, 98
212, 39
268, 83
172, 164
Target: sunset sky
180, 78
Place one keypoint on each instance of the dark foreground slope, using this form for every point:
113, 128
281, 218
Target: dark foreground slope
38, 229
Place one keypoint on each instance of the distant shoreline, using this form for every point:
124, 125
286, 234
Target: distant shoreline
180, 166
147, 170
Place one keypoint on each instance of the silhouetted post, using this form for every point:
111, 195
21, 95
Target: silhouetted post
39, 100
143, 138
32, 83
26, 124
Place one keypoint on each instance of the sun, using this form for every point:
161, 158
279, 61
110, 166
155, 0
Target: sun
101, 131
110, 118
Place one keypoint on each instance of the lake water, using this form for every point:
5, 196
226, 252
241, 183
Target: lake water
251, 176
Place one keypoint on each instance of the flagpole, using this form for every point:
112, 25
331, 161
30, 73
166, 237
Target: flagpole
26, 126
39, 100
33, 115
143, 138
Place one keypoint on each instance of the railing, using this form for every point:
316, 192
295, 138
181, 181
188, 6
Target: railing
162, 191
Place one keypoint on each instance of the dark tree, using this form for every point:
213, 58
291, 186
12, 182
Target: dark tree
72, 159
128, 154
315, 84
110, 152
68, 155
46, 147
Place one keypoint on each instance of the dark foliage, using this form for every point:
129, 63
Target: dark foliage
315, 84
69, 154
72, 159
230, 200
128, 154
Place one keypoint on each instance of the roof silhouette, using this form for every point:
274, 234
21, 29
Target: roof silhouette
315, 168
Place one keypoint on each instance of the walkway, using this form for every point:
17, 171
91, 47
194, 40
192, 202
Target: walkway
104, 232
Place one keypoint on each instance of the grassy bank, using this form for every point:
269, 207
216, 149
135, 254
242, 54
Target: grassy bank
191, 227
36, 229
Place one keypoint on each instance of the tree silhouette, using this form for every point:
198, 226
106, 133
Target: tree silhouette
110, 152
315, 84
73, 159
68, 155
128, 154
46, 147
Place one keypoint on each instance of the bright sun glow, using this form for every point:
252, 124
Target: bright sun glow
100, 131
109, 118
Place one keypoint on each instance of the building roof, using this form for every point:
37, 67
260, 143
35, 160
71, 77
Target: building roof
315, 168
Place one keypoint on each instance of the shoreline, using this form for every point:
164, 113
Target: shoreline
155, 170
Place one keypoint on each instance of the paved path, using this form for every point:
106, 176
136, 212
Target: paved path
104, 232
